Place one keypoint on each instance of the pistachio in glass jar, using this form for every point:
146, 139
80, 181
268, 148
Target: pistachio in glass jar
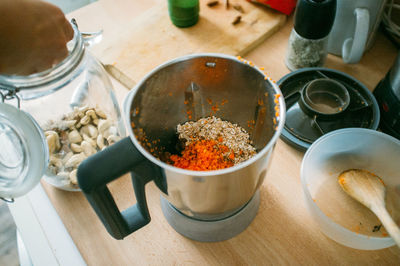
75, 105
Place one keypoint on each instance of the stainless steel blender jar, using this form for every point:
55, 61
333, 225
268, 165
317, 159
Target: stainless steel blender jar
202, 205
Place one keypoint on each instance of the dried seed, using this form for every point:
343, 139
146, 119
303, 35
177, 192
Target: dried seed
49, 132
80, 114
100, 141
67, 157
85, 120
376, 228
87, 148
76, 148
236, 20
92, 114
75, 160
84, 130
238, 8
53, 141
89, 139
53, 160
69, 124
112, 139
83, 109
100, 114
73, 177
212, 3
103, 125
110, 131
74, 136
92, 130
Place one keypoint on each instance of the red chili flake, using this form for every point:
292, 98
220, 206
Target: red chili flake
203, 155
189, 112
215, 108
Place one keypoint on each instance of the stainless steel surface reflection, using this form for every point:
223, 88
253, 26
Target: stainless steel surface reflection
197, 86
215, 196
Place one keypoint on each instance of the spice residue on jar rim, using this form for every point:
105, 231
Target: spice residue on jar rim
211, 144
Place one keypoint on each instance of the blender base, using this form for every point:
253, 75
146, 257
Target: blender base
211, 231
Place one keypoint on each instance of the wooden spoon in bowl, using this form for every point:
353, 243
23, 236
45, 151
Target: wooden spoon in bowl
369, 189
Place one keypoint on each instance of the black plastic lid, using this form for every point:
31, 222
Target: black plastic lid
303, 128
314, 18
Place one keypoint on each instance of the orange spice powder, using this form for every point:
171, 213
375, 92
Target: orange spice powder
204, 155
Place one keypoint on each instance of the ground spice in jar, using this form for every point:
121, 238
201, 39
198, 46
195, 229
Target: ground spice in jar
308, 40
212, 144
303, 52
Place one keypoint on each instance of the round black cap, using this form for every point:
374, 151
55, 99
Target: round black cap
313, 19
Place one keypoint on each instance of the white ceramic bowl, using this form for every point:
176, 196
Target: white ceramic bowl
333, 153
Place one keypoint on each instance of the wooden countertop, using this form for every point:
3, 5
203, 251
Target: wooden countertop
283, 232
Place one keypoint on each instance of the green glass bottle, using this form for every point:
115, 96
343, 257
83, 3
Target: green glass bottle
183, 13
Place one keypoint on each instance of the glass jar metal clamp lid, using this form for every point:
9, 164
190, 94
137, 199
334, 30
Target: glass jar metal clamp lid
23, 151
67, 113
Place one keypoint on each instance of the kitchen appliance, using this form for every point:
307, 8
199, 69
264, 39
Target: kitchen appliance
30, 105
354, 29
320, 100
202, 205
387, 93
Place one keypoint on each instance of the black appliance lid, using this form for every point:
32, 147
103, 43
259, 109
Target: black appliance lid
302, 128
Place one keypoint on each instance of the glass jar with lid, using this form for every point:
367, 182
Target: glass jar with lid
53, 120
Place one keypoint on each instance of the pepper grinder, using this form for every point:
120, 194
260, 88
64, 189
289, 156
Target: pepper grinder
308, 40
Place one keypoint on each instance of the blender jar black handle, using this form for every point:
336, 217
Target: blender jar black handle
103, 167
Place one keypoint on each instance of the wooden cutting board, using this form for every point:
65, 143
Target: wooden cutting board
152, 39
283, 232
